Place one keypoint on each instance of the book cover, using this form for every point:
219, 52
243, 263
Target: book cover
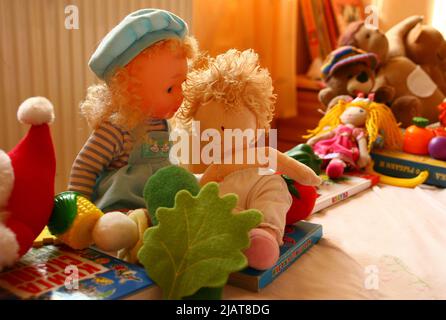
403, 165
59, 273
347, 11
298, 239
321, 27
331, 23
331, 192
310, 28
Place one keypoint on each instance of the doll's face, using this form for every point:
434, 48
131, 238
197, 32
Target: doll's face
216, 116
161, 76
355, 116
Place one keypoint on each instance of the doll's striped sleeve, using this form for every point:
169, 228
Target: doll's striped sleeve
98, 152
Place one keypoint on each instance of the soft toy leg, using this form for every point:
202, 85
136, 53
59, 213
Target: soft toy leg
405, 108
335, 169
263, 252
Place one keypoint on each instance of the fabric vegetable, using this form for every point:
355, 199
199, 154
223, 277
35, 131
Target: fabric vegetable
73, 219
305, 154
198, 243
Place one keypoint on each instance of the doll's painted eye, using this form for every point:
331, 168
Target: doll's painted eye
169, 90
360, 110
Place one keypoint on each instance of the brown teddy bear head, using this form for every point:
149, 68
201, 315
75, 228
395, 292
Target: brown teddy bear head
426, 45
359, 35
348, 71
352, 79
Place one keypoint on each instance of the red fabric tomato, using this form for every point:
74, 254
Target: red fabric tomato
440, 132
304, 199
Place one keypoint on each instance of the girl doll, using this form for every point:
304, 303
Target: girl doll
233, 92
143, 62
347, 133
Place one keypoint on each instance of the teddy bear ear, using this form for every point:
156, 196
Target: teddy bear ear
419, 33
384, 94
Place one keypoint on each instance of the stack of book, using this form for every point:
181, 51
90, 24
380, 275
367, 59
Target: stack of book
326, 20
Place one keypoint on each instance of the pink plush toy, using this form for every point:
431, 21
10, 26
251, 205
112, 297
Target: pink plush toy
27, 175
347, 132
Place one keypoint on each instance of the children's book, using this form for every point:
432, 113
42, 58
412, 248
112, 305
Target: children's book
311, 29
347, 11
331, 23
321, 28
331, 192
298, 239
59, 273
403, 165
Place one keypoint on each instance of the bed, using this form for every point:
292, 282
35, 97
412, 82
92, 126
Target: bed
384, 243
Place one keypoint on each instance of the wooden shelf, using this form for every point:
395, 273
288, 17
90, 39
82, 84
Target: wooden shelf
305, 83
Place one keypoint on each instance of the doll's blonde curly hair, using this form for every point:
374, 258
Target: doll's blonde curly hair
114, 102
233, 78
379, 118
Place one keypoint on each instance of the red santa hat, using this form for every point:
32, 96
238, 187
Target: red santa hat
27, 176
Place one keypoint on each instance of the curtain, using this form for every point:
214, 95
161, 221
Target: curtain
267, 26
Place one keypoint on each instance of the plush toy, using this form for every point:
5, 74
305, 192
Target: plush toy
143, 62
415, 92
27, 176
233, 92
426, 47
349, 71
442, 117
346, 134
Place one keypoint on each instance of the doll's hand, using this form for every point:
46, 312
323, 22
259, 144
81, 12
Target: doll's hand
115, 231
311, 142
210, 175
364, 161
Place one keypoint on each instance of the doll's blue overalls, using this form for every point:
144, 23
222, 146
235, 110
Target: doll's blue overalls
122, 189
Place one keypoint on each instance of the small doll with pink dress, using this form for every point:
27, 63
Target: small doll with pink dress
348, 131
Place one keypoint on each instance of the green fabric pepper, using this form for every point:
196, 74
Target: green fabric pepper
305, 154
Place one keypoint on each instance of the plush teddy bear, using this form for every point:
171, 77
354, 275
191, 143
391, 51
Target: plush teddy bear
415, 92
347, 72
425, 46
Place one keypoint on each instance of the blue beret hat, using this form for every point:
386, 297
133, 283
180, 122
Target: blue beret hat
131, 36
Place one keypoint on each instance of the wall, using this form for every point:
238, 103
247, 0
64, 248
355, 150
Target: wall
38, 56
393, 11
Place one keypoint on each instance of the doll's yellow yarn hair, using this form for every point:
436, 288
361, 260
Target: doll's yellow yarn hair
379, 117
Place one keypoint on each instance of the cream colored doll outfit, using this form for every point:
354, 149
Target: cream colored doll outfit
266, 193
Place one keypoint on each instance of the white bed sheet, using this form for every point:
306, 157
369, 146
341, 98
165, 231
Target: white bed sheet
385, 243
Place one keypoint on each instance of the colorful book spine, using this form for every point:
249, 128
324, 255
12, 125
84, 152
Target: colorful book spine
331, 23
298, 239
402, 165
310, 27
332, 192
321, 27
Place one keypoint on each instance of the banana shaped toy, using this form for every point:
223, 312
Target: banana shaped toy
399, 182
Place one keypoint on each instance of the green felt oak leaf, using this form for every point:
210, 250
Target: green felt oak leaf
198, 243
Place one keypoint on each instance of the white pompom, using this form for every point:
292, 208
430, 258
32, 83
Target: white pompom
36, 111
10, 247
6, 179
